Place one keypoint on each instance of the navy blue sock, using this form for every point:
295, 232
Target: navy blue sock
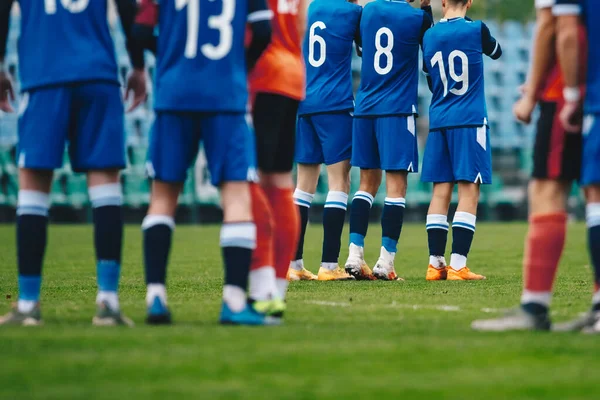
108, 234
334, 216
463, 230
391, 222
593, 223
437, 234
238, 240
303, 200
32, 228
359, 217
158, 232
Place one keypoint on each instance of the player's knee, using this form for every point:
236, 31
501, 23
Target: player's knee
442, 193
468, 196
103, 177
547, 196
396, 183
308, 177
35, 179
370, 180
338, 176
163, 199
592, 193
235, 197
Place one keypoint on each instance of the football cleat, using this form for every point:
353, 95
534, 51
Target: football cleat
248, 316
106, 316
336, 274
158, 313
515, 320
587, 323
300, 275
15, 317
384, 269
463, 274
436, 274
356, 265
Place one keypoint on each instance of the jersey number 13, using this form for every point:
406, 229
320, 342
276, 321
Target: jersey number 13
221, 22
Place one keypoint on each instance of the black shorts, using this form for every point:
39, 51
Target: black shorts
274, 118
556, 153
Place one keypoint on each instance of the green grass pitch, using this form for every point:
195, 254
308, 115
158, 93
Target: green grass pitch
345, 340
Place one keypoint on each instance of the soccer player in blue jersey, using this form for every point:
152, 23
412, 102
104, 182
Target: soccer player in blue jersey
204, 41
458, 149
384, 129
534, 315
324, 129
71, 95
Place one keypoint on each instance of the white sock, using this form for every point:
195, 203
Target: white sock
438, 262
26, 306
356, 251
302, 198
282, 285
297, 265
235, 297
386, 255
112, 298
156, 290
458, 262
329, 266
262, 283
543, 298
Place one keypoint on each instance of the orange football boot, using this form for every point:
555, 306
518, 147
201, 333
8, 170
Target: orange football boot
463, 274
436, 274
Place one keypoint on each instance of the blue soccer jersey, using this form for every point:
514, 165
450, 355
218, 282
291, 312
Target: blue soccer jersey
390, 31
65, 41
452, 52
332, 28
201, 63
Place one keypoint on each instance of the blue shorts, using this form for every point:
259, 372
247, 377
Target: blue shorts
387, 143
458, 154
324, 138
590, 167
176, 137
88, 117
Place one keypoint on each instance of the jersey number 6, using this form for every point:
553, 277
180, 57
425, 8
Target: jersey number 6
313, 38
462, 78
220, 22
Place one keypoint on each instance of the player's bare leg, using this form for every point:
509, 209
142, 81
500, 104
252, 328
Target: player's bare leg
370, 180
391, 224
106, 198
306, 186
590, 321
157, 227
437, 230
334, 215
32, 226
463, 230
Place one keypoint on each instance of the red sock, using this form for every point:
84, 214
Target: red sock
544, 245
287, 227
263, 218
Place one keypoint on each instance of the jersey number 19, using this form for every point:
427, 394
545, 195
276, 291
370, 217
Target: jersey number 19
221, 22
462, 78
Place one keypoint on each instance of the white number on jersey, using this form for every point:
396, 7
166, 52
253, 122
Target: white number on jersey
74, 6
313, 38
288, 7
462, 78
220, 22
383, 51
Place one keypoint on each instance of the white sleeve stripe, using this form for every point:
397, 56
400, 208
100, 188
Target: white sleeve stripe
544, 3
262, 15
495, 49
566, 9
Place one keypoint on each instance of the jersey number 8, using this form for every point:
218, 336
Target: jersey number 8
73, 6
220, 22
383, 51
462, 78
